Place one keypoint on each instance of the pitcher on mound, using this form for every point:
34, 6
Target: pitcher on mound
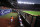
11, 18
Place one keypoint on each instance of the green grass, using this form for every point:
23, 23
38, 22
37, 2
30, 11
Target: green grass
33, 12
9, 15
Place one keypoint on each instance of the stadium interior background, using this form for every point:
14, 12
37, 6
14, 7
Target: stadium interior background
19, 9
7, 3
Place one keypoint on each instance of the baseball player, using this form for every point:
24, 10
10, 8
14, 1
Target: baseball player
11, 18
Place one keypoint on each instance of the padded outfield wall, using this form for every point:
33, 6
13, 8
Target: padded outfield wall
5, 11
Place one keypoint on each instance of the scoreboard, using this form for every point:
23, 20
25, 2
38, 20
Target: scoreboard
5, 11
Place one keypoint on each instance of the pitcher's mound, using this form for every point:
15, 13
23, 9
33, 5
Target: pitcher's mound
8, 26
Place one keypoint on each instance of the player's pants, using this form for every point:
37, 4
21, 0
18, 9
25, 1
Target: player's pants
11, 20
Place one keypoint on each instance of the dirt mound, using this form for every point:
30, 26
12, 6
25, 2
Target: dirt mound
7, 23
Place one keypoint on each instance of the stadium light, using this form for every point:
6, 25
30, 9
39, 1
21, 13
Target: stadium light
19, 2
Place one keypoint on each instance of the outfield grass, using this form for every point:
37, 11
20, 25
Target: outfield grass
32, 12
9, 15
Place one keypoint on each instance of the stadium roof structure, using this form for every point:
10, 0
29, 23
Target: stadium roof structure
7, 3
16, 5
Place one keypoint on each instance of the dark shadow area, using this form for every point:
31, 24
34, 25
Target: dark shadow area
37, 22
26, 24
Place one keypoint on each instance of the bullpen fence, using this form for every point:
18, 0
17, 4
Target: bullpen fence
5, 11
25, 22
33, 21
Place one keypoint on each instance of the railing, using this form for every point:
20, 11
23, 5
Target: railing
24, 21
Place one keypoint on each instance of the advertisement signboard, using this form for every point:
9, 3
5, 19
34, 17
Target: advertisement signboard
5, 11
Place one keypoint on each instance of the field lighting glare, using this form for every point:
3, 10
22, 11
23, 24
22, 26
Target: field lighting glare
20, 2
24, 2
